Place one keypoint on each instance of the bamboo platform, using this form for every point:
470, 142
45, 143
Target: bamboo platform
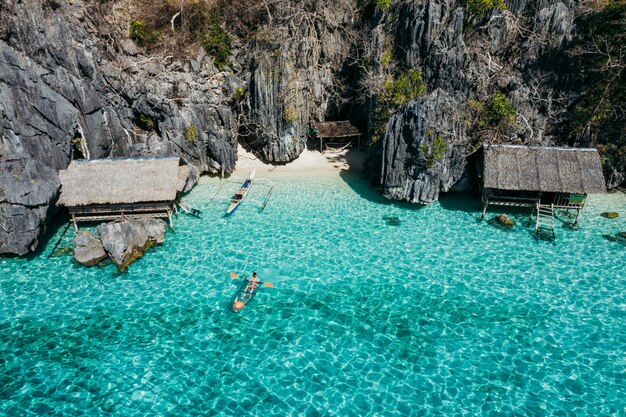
98, 213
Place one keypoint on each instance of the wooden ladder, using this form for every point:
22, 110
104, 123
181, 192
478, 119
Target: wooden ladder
545, 218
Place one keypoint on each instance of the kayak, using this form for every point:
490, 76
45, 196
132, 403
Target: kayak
245, 294
241, 194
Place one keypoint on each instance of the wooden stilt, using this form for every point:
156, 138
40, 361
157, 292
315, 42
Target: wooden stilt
75, 224
577, 214
169, 216
485, 204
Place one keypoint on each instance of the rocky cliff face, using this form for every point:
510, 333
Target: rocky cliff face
466, 59
295, 61
73, 85
423, 150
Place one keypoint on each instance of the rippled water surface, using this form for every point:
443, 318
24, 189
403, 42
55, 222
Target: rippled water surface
377, 309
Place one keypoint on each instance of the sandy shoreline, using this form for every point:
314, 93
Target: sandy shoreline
308, 162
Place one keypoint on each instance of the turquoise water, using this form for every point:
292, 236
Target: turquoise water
437, 315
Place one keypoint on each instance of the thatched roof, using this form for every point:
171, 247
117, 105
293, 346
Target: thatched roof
535, 168
337, 129
121, 181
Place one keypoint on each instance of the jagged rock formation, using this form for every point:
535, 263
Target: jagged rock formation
73, 85
294, 78
126, 241
422, 158
88, 250
465, 58
26, 188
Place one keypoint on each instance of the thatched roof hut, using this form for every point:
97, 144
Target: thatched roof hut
121, 181
340, 131
542, 169
337, 129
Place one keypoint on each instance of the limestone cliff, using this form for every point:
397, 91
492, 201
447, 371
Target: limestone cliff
73, 85
296, 61
467, 62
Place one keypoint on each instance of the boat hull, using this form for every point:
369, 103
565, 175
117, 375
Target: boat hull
244, 295
241, 194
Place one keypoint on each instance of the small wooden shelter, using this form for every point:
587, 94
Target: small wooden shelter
545, 178
110, 189
342, 129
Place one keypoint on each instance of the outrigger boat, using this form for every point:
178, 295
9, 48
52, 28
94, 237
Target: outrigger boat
241, 194
246, 291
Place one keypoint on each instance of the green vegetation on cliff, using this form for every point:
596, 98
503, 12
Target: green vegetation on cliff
383, 4
395, 91
405, 87
480, 8
436, 152
491, 118
597, 64
143, 35
173, 25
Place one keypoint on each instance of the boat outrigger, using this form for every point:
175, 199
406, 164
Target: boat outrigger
241, 194
246, 291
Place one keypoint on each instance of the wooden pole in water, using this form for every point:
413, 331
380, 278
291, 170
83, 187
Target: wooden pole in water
485, 204
577, 214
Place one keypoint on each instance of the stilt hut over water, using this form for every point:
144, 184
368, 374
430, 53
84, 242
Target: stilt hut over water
544, 178
111, 189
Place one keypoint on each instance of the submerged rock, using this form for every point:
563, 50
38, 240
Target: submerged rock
392, 220
610, 215
88, 250
610, 238
126, 241
62, 251
619, 237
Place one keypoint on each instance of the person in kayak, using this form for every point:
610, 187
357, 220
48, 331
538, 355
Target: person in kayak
253, 282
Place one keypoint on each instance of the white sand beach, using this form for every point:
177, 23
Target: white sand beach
308, 162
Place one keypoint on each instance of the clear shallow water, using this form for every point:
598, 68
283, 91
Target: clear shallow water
439, 315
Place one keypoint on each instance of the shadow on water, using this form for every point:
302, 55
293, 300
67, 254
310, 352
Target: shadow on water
353, 176
361, 186
51, 237
466, 201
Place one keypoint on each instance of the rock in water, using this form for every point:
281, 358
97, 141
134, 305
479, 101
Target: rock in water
126, 241
610, 215
88, 249
505, 220
502, 221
